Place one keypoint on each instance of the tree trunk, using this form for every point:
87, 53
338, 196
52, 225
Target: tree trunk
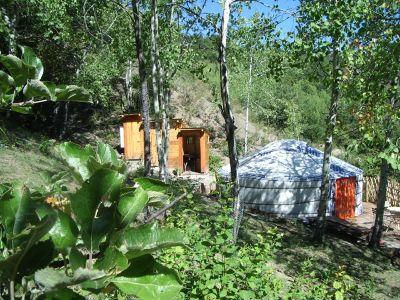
156, 84
227, 113
380, 205
246, 134
165, 132
128, 87
331, 123
383, 177
143, 90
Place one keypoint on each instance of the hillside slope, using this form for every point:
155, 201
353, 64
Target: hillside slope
194, 101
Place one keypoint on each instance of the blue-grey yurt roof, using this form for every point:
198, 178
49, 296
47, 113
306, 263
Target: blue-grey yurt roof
290, 160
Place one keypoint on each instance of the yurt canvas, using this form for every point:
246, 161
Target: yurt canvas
284, 179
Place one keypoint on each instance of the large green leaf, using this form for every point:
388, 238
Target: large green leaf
38, 257
76, 158
30, 58
50, 279
131, 204
9, 203
32, 235
25, 213
161, 284
18, 69
6, 82
64, 232
150, 184
72, 93
134, 242
37, 89
107, 155
76, 259
91, 205
113, 260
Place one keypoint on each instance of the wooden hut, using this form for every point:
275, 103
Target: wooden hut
188, 147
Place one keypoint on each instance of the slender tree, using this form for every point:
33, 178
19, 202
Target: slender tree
373, 85
143, 89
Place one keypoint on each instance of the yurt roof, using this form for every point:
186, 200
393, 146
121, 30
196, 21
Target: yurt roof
290, 160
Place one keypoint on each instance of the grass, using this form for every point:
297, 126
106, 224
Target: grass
24, 155
369, 268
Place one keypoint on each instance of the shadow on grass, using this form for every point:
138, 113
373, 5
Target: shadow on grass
368, 267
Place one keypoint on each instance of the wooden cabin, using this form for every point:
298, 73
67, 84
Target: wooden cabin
188, 147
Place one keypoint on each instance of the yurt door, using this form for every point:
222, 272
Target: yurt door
345, 197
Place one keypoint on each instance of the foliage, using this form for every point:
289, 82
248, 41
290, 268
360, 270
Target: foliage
102, 243
21, 87
215, 268
335, 284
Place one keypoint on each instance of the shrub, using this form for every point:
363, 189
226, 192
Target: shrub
215, 268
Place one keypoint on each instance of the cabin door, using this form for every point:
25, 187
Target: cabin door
345, 203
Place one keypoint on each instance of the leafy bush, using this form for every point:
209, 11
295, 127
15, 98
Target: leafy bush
215, 268
336, 284
215, 162
101, 246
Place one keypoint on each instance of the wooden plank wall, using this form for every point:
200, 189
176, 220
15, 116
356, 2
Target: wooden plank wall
370, 191
174, 161
204, 152
133, 139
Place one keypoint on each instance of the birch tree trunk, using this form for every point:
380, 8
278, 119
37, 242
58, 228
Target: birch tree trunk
165, 132
128, 86
158, 91
331, 123
143, 90
227, 113
156, 83
376, 235
246, 133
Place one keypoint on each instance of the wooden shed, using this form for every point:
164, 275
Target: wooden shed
188, 147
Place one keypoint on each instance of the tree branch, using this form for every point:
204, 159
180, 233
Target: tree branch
159, 212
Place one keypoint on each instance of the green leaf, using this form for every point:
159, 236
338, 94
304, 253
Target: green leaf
157, 199
90, 206
161, 284
18, 69
338, 295
131, 204
9, 265
37, 89
61, 294
150, 184
134, 242
25, 213
72, 93
76, 158
76, 259
38, 257
107, 155
247, 295
50, 279
113, 259
30, 58
26, 110
6, 82
64, 232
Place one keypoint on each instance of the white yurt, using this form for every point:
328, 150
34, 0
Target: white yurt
284, 179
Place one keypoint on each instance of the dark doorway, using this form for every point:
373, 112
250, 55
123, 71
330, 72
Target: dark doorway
191, 153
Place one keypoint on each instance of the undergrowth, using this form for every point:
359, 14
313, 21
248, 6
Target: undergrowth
216, 268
